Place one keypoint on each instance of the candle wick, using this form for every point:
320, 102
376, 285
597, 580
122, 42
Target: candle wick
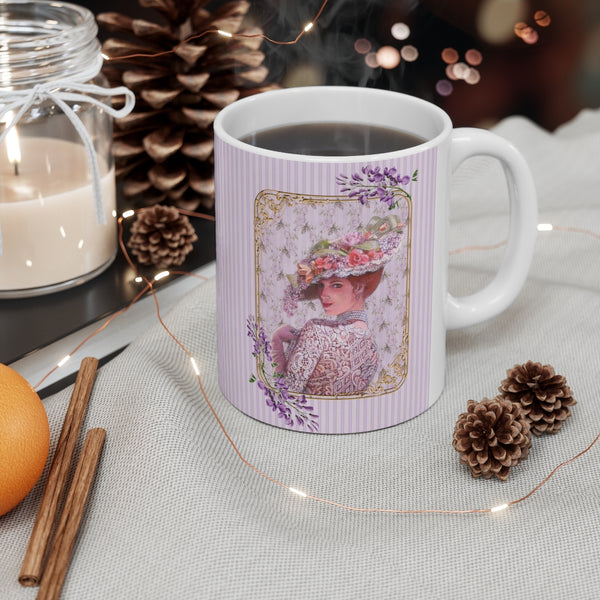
16, 165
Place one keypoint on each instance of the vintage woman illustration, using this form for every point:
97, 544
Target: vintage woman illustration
336, 355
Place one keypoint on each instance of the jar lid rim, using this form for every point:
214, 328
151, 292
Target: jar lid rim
44, 39
76, 20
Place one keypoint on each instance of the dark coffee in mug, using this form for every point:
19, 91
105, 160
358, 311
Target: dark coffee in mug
332, 139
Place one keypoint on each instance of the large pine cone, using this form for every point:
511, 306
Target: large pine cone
160, 236
544, 396
164, 148
491, 437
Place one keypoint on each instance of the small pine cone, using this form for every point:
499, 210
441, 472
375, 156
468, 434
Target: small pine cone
544, 396
491, 437
162, 237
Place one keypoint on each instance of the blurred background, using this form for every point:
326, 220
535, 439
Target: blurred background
481, 60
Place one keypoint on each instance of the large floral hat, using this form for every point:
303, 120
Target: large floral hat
364, 250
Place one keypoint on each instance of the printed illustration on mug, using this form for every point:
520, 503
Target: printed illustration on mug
332, 289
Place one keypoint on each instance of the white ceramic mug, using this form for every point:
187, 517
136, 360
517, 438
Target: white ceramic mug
332, 300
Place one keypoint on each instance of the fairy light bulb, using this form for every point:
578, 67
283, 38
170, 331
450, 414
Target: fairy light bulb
195, 365
63, 361
298, 492
308, 27
224, 33
545, 227
128, 213
499, 508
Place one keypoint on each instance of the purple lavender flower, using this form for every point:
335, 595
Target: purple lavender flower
382, 184
267, 391
291, 409
261, 344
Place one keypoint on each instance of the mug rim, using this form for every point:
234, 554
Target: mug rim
231, 111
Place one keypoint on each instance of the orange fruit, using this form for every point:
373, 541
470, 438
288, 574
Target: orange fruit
24, 438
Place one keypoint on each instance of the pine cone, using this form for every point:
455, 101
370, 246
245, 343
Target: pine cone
492, 436
544, 396
164, 149
162, 237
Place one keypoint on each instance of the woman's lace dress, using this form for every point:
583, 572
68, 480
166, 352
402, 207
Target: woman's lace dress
331, 358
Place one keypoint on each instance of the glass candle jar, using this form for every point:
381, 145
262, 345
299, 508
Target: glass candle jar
57, 178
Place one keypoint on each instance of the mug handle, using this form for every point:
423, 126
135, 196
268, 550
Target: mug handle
506, 285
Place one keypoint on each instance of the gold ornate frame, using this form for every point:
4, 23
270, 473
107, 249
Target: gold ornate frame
269, 207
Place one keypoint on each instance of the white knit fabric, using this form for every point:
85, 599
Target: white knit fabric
174, 513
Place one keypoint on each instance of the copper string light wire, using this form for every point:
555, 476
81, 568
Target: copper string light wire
568, 230
228, 34
471, 248
91, 335
149, 287
540, 227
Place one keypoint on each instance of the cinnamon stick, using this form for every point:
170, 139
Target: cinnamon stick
70, 519
39, 542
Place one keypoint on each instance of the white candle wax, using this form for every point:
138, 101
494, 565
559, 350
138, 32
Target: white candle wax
47, 216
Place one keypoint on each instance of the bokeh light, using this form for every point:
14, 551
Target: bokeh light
495, 19
444, 87
450, 73
473, 57
362, 46
400, 31
371, 60
542, 18
449, 56
388, 57
473, 77
520, 28
460, 70
409, 53
531, 36
528, 34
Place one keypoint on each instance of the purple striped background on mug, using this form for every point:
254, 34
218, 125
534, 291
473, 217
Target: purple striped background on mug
240, 176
